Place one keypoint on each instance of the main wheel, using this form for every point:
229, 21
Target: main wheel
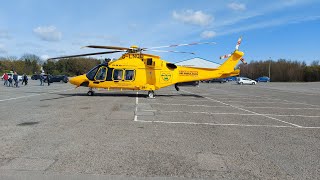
151, 94
90, 93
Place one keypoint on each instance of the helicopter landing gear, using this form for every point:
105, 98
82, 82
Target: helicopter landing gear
151, 94
90, 92
176, 86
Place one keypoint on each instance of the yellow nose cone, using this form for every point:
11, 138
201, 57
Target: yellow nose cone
78, 80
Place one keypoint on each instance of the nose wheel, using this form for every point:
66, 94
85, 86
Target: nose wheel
90, 92
151, 94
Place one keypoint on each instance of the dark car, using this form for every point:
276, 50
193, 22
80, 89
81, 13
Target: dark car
263, 79
191, 83
58, 78
35, 77
233, 78
219, 80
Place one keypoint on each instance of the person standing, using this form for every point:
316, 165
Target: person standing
41, 80
5, 78
48, 79
10, 81
24, 79
15, 78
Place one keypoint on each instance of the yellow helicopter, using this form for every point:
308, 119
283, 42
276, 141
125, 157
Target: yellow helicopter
136, 70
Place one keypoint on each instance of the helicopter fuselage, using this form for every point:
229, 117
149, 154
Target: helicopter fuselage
138, 71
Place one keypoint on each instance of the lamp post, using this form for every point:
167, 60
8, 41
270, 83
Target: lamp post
269, 66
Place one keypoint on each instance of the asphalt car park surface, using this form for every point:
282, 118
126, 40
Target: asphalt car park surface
222, 131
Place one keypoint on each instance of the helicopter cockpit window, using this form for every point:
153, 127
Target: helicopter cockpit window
92, 73
101, 74
129, 75
117, 74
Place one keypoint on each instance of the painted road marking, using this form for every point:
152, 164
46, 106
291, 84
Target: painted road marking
38, 94
250, 111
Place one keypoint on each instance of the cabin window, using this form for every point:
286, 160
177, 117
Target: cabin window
101, 74
149, 61
117, 74
109, 74
129, 75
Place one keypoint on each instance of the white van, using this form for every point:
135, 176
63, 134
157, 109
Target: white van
245, 80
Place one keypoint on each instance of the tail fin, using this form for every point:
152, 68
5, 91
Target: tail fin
231, 62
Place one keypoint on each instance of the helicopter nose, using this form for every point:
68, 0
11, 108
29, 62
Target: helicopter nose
77, 80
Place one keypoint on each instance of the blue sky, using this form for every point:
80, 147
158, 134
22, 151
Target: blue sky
276, 28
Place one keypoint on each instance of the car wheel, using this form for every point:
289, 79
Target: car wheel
253, 83
241, 83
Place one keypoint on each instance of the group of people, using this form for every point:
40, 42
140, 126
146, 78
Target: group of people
12, 80
42, 78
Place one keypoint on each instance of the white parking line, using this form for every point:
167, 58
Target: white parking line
249, 111
287, 91
279, 108
194, 105
237, 114
260, 102
290, 102
136, 110
20, 97
212, 124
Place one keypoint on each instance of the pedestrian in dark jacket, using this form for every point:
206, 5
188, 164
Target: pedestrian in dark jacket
48, 79
24, 79
15, 79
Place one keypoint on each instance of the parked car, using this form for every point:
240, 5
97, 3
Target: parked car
245, 80
263, 79
219, 80
59, 78
233, 78
191, 83
35, 77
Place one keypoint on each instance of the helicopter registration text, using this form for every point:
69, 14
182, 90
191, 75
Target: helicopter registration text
132, 56
188, 73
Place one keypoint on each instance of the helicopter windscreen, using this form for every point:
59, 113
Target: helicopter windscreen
91, 74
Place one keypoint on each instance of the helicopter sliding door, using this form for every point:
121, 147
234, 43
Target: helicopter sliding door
123, 75
123, 78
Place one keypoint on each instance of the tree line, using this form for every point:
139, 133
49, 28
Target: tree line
31, 64
27, 64
282, 70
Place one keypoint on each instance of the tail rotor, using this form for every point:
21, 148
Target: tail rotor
237, 48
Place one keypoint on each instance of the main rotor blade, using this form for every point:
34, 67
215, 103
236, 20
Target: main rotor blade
177, 45
79, 55
172, 51
106, 47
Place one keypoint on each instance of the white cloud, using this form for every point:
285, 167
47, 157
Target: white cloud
48, 33
44, 57
208, 34
193, 17
237, 6
3, 49
4, 35
271, 23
